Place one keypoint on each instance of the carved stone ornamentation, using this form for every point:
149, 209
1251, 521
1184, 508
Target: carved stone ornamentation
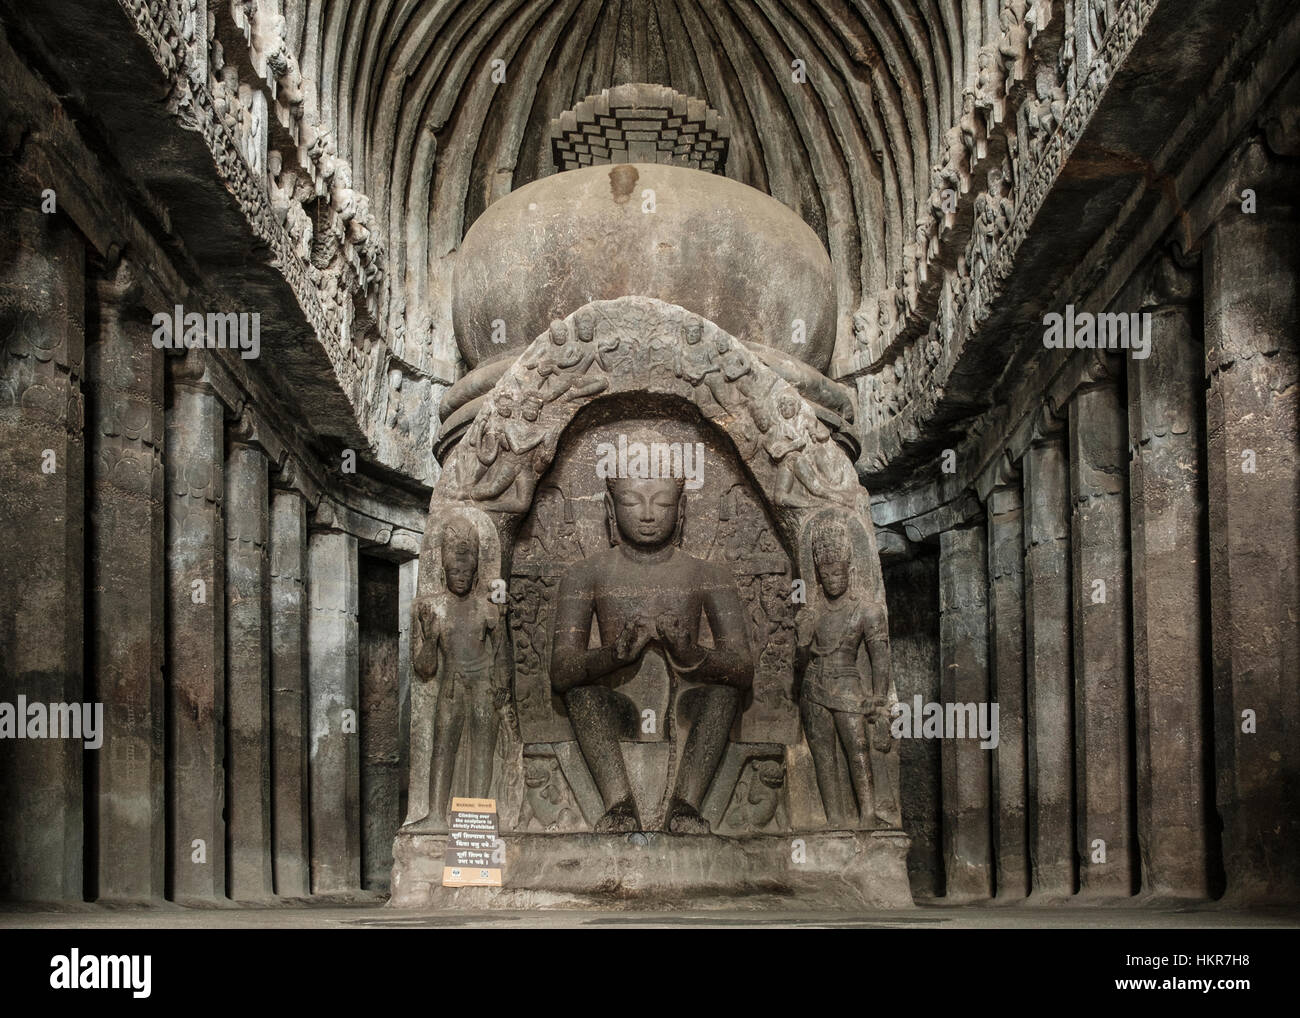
847, 696
651, 614
462, 685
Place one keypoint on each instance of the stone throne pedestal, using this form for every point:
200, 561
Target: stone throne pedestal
667, 323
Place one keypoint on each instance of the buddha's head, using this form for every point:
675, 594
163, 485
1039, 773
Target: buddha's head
645, 512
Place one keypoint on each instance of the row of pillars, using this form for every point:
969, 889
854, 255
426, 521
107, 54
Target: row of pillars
157, 564
1131, 600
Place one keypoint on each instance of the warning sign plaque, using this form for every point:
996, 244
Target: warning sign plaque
475, 851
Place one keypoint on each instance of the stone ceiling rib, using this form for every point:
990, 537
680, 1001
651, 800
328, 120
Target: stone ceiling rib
406, 87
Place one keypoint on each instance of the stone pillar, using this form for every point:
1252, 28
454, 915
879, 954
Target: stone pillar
912, 597
1252, 320
964, 680
380, 734
289, 753
1049, 702
407, 577
196, 635
126, 594
1102, 673
333, 696
1175, 784
1007, 688
248, 672
42, 518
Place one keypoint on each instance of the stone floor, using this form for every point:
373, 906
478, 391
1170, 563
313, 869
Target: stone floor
370, 915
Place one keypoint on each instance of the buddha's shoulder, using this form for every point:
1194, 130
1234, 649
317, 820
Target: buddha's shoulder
593, 565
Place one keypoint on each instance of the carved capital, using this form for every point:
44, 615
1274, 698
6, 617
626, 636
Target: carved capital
1049, 422
197, 369
1000, 474
293, 475
331, 514
1172, 276
251, 429
120, 290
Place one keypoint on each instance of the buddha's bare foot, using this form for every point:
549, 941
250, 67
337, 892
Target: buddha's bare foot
683, 818
620, 818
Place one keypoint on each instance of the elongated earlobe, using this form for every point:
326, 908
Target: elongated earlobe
611, 524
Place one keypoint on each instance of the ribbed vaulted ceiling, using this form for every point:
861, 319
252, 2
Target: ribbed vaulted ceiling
433, 139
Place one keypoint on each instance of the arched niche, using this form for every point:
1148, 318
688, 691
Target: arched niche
614, 363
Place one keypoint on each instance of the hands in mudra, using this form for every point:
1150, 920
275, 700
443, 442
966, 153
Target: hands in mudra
675, 635
636, 635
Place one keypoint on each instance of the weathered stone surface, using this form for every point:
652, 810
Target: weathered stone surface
842, 647
196, 639
380, 733
126, 593
646, 629
1102, 669
1171, 675
1049, 702
963, 659
248, 675
290, 742
587, 236
1007, 687
408, 574
872, 276
912, 586
1252, 320
334, 710
42, 515
839, 870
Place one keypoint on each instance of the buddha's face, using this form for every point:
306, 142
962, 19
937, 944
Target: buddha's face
645, 510
834, 577
505, 405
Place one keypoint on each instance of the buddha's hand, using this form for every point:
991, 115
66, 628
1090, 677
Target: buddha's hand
632, 641
677, 636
